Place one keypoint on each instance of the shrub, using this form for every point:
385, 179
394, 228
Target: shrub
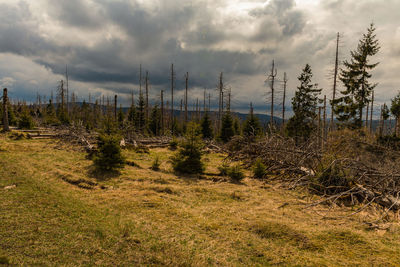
259, 169
331, 179
26, 121
236, 173
109, 156
173, 144
223, 169
188, 158
155, 166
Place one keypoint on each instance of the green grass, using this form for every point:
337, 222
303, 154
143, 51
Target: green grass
146, 217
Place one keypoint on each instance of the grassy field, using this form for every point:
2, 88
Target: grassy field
62, 213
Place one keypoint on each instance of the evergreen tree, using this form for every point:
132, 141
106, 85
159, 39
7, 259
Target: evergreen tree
395, 109
140, 114
227, 128
121, 117
109, 156
50, 112
132, 114
385, 116
188, 159
236, 126
304, 105
355, 77
206, 128
26, 120
155, 120
252, 126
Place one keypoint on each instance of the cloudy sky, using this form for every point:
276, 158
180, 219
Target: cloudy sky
103, 42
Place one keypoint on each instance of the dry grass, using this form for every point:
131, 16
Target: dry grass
143, 217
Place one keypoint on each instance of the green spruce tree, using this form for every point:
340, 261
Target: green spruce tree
384, 117
304, 105
227, 128
206, 128
188, 158
140, 122
355, 77
236, 126
155, 120
121, 117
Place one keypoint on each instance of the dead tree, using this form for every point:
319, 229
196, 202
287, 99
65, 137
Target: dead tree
335, 77
115, 108
6, 127
147, 95
367, 116
324, 120
186, 95
285, 80
319, 126
162, 112
172, 98
209, 101
372, 110
271, 78
221, 100
204, 102
66, 79
228, 107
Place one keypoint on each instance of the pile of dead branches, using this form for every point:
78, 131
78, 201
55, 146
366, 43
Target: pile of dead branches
346, 168
77, 135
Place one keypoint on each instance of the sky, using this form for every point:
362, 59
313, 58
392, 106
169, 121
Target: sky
103, 43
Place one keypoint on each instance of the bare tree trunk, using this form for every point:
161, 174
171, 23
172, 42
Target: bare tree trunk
204, 102
272, 77
381, 122
372, 112
147, 95
209, 101
6, 127
366, 117
186, 95
162, 112
180, 111
319, 125
115, 108
172, 98
335, 78
228, 107
324, 122
66, 78
62, 96
221, 101
285, 80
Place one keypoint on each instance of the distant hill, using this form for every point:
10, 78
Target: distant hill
264, 119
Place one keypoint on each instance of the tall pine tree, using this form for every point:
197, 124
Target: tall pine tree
304, 105
355, 77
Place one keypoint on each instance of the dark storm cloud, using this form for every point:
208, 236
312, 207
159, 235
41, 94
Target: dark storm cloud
149, 27
76, 13
18, 31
